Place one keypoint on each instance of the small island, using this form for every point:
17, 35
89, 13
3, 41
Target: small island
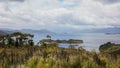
48, 40
70, 41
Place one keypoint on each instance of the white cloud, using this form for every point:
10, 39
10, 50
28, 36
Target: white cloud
12, 0
98, 13
63, 14
109, 1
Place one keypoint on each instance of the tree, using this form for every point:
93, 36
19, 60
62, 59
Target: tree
10, 41
2, 39
17, 35
17, 39
48, 37
31, 43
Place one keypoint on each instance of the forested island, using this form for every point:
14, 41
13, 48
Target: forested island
17, 50
70, 41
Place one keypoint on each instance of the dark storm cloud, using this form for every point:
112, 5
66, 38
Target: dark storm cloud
109, 1
12, 0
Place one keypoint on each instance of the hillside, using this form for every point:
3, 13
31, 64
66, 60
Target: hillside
41, 31
32, 31
110, 48
2, 32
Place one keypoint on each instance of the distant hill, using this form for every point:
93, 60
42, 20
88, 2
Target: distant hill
102, 30
5, 32
2, 32
72, 31
107, 30
42, 31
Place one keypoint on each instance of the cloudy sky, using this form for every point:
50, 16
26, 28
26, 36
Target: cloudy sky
59, 14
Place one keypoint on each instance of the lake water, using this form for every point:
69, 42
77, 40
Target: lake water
91, 41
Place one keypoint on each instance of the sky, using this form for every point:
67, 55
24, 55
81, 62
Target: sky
59, 14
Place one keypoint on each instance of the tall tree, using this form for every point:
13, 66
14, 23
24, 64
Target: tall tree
48, 37
17, 35
2, 39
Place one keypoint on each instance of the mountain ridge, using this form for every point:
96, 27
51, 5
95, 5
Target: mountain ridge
45, 31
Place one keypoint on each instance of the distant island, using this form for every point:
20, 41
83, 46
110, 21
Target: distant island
70, 41
112, 33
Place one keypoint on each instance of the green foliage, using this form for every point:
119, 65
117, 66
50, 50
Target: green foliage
16, 39
32, 63
48, 37
110, 48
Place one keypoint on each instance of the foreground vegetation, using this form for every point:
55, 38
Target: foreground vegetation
52, 56
110, 48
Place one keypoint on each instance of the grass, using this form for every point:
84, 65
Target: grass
51, 56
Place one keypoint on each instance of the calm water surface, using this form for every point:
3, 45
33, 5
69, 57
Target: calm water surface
91, 41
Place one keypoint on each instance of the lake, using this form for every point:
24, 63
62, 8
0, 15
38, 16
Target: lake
91, 40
